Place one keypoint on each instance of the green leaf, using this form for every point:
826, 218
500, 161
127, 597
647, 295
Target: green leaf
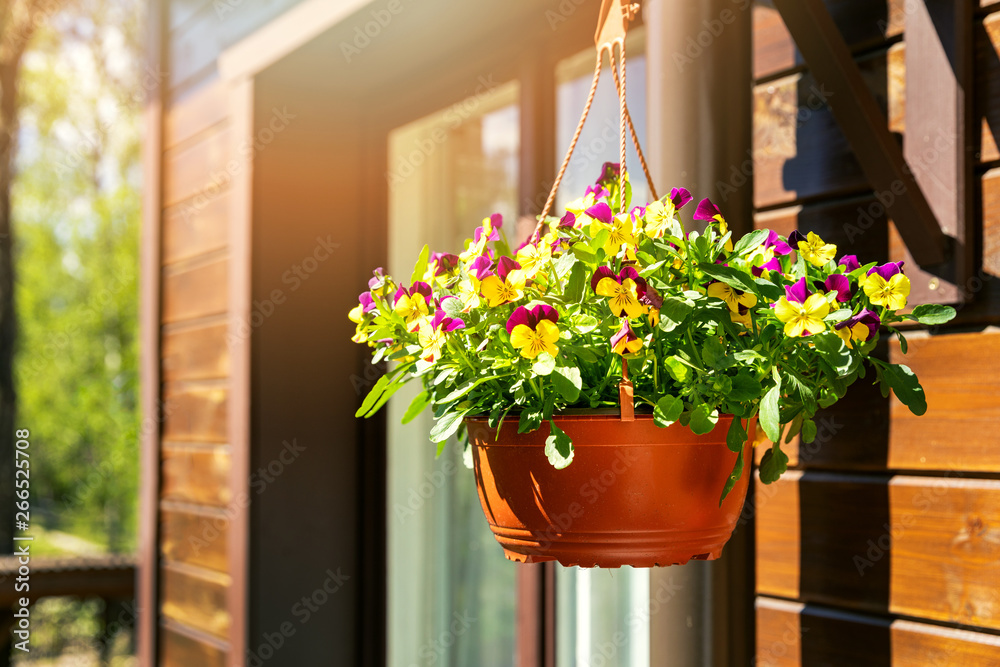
531, 419
770, 419
565, 264
736, 437
703, 420
834, 350
678, 370
373, 396
447, 425
568, 383
667, 411
808, 430
838, 315
461, 391
544, 364
906, 387
420, 268
452, 307
768, 290
577, 283
417, 405
933, 314
558, 447
773, 464
712, 352
902, 340
584, 323
582, 251
750, 241
745, 388
734, 477
673, 312
732, 277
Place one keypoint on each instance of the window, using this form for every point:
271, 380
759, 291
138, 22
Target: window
452, 594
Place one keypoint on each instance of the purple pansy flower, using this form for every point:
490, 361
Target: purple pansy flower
850, 263
775, 244
379, 280
841, 284
445, 323
650, 297
794, 238
417, 288
887, 270
865, 318
367, 302
679, 197
798, 292
568, 220
610, 171
598, 191
601, 212
707, 210
625, 340
771, 265
626, 272
530, 317
481, 267
445, 263
505, 266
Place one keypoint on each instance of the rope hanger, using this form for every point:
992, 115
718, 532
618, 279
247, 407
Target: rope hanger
611, 30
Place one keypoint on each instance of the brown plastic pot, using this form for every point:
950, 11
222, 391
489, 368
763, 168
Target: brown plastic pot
635, 494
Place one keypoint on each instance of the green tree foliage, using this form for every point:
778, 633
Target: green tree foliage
76, 201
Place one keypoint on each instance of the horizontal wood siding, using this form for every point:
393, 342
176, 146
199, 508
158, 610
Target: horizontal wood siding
881, 546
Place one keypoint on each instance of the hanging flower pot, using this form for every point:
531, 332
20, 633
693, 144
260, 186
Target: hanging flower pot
636, 494
607, 305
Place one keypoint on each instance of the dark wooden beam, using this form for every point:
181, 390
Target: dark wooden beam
865, 127
938, 143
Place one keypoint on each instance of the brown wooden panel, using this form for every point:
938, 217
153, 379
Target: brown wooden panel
195, 539
946, 549
196, 292
196, 354
195, 597
864, 24
921, 644
987, 88
182, 650
790, 634
196, 475
196, 226
195, 414
778, 535
203, 167
196, 111
799, 150
960, 374
832, 561
991, 221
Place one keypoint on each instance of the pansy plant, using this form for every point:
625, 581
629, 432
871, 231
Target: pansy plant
762, 326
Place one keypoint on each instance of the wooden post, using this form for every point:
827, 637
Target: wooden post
699, 126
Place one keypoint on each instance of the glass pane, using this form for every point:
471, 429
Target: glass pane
599, 141
602, 615
451, 592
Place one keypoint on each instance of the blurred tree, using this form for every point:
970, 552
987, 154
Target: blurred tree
77, 198
19, 19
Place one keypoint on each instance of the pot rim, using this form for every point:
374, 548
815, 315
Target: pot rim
595, 414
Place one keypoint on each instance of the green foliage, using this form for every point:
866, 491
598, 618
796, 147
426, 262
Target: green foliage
76, 212
708, 325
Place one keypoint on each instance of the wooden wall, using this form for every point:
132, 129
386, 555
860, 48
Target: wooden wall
882, 545
197, 500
